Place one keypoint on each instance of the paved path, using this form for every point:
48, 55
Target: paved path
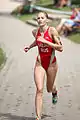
8, 5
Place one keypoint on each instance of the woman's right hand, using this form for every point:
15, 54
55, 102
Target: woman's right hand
26, 49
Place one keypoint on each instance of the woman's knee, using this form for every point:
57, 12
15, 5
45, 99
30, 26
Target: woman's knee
40, 91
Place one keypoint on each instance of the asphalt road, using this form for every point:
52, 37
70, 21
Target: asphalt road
7, 6
17, 88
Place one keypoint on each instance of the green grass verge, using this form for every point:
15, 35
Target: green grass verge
49, 4
2, 58
75, 37
25, 17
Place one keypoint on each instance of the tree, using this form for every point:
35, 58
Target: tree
77, 2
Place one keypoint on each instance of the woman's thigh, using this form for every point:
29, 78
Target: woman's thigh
39, 74
51, 74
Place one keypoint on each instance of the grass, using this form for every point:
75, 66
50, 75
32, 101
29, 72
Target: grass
25, 17
75, 37
44, 2
49, 4
2, 58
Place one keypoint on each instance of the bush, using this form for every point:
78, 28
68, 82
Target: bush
77, 2
2, 58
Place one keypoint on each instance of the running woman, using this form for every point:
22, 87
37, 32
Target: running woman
47, 40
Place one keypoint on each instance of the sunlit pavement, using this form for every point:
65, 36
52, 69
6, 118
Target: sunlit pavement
8, 5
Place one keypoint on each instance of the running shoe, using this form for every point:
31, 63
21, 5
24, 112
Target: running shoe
54, 98
37, 118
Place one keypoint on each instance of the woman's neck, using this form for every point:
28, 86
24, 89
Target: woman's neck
43, 28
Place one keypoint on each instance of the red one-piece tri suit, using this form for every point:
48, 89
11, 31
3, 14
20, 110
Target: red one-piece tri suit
46, 52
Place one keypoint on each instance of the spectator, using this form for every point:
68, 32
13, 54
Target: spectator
62, 3
63, 21
25, 8
55, 2
69, 24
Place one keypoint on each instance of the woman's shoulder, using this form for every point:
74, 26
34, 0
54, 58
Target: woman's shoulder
34, 31
53, 30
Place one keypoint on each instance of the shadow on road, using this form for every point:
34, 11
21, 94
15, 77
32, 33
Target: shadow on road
9, 116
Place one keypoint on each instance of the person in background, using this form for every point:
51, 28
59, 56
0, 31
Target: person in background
70, 24
64, 20
55, 2
23, 9
62, 3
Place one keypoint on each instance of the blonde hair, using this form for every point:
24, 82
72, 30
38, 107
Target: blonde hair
45, 13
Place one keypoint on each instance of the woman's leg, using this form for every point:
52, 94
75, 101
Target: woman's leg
60, 26
63, 3
66, 29
39, 74
51, 74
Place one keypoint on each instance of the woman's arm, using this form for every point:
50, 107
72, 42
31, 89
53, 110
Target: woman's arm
29, 47
54, 34
33, 44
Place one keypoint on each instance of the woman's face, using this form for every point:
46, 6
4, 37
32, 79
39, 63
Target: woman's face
41, 19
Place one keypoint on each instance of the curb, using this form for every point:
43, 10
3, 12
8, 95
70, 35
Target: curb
51, 10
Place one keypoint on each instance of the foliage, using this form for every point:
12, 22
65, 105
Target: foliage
2, 58
77, 2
